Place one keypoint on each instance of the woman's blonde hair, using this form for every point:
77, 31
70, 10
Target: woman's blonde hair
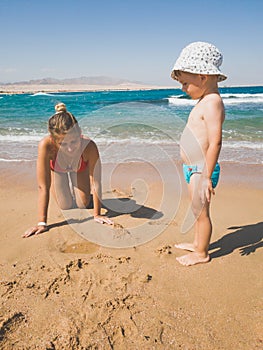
62, 121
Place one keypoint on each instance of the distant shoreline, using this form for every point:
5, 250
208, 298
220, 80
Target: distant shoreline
58, 88
55, 88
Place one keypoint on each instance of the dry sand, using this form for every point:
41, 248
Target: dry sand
31, 88
60, 291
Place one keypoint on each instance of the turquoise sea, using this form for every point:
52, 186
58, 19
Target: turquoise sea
131, 125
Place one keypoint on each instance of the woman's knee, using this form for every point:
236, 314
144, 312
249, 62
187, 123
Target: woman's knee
66, 206
64, 202
83, 201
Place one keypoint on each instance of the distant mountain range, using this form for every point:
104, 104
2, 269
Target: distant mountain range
97, 80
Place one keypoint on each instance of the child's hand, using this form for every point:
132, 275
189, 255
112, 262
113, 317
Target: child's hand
35, 231
103, 219
206, 190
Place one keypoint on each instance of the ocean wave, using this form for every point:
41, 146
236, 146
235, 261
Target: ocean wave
21, 138
53, 94
179, 101
135, 141
241, 95
15, 160
43, 94
145, 138
117, 150
238, 144
228, 98
243, 144
242, 98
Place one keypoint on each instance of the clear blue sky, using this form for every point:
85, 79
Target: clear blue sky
137, 40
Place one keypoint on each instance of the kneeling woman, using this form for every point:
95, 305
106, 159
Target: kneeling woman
68, 164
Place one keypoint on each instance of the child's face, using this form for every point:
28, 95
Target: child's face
192, 84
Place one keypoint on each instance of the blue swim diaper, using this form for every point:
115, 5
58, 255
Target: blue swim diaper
189, 170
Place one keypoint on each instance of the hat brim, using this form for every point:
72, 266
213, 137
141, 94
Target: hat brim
220, 75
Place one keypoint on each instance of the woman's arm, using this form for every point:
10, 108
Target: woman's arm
95, 176
44, 182
95, 182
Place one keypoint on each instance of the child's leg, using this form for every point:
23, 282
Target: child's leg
185, 245
203, 227
61, 190
204, 230
191, 247
81, 186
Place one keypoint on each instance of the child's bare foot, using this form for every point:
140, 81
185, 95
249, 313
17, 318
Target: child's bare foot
185, 246
193, 259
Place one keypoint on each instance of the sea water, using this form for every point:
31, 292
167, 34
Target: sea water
131, 125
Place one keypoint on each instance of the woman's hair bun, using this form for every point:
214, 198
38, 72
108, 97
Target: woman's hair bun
60, 107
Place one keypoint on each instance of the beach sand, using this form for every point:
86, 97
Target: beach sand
61, 291
18, 88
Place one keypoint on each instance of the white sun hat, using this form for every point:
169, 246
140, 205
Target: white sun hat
199, 58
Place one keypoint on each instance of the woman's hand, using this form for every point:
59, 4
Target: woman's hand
35, 230
103, 219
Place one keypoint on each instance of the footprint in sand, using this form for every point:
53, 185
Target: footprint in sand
120, 231
164, 250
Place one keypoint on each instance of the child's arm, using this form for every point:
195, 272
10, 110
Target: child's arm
214, 116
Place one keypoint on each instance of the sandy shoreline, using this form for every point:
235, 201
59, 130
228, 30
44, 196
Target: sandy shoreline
60, 291
46, 88
54, 88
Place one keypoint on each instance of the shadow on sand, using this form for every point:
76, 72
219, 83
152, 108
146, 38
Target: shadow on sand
121, 206
116, 207
247, 238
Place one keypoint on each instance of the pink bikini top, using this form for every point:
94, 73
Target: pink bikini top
55, 166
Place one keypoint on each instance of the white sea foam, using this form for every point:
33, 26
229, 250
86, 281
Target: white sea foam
243, 144
135, 141
177, 101
21, 138
54, 94
15, 160
117, 150
229, 99
42, 94
242, 98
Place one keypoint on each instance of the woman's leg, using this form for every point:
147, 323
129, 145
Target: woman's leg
81, 187
61, 190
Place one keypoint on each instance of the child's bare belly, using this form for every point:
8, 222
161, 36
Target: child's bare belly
192, 148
